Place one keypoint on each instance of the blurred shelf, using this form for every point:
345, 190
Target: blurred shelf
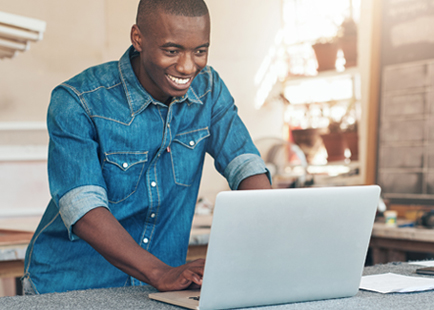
329, 74
16, 33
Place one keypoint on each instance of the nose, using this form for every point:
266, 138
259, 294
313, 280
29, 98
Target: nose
186, 64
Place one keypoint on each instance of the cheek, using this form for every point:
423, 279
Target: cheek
156, 67
201, 62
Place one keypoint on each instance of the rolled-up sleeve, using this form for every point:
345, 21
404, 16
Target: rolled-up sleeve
235, 155
77, 202
244, 166
74, 169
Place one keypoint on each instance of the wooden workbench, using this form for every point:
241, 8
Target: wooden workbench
391, 244
15, 235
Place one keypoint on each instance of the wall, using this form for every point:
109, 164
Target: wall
242, 33
79, 34
84, 33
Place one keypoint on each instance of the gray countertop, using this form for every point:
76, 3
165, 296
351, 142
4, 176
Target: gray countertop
137, 298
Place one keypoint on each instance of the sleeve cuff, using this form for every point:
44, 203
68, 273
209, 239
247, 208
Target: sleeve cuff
77, 202
244, 166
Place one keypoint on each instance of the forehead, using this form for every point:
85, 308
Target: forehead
163, 28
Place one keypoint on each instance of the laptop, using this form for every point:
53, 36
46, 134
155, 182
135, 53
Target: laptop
270, 247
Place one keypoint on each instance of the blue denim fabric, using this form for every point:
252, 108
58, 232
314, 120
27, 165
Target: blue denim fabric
112, 145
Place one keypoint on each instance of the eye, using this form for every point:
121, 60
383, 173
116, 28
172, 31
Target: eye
201, 52
171, 52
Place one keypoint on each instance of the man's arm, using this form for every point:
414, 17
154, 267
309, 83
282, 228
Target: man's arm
106, 235
259, 181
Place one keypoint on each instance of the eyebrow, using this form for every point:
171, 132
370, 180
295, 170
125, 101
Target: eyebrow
170, 44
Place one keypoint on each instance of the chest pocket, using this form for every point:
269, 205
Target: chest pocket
187, 153
122, 172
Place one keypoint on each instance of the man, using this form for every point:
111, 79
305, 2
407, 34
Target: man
127, 145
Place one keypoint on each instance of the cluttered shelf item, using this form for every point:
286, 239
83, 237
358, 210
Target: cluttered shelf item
199, 236
402, 232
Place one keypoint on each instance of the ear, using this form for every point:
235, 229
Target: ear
136, 38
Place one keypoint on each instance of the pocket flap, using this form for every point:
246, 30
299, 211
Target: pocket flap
125, 160
192, 138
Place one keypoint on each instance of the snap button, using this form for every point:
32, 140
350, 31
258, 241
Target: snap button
146, 240
153, 184
191, 143
125, 165
152, 215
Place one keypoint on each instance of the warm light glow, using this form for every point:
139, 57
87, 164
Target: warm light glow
309, 20
331, 170
304, 23
319, 90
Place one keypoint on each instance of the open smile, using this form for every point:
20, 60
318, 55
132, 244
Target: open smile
179, 81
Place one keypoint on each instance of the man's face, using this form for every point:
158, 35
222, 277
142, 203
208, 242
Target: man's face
173, 50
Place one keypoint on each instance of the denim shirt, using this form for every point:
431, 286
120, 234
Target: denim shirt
112, 145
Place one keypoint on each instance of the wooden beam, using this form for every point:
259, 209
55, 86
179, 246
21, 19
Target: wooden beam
374, 95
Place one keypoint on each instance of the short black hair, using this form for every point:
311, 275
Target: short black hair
189, 8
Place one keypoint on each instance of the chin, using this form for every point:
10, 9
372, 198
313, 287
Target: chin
177, 93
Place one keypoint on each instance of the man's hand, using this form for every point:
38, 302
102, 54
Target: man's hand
182, 277
105, 234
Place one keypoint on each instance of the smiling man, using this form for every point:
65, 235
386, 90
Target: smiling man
127, 146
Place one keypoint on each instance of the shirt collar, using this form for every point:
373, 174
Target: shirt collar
138, 98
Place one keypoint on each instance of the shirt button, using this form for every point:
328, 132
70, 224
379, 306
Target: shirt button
125, 165
152, 215
168, 125
146, 240
153, 184
191, 143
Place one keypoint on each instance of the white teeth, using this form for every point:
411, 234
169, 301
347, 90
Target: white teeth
178, 81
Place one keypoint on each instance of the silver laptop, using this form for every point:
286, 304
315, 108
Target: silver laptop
281, 246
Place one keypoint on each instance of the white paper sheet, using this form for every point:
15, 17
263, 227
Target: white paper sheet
395, 283
426, 263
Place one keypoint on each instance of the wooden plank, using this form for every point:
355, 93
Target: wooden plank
22, 22
20, 224
402, 245
8, 237
14, 45
11, 269
381, 230
19, 34
196, 252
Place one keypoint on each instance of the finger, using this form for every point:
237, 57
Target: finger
198, 267
184, 282
198, 271
193, 276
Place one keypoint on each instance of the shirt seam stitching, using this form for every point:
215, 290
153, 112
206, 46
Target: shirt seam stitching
130, 103
34, 241
80, 97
